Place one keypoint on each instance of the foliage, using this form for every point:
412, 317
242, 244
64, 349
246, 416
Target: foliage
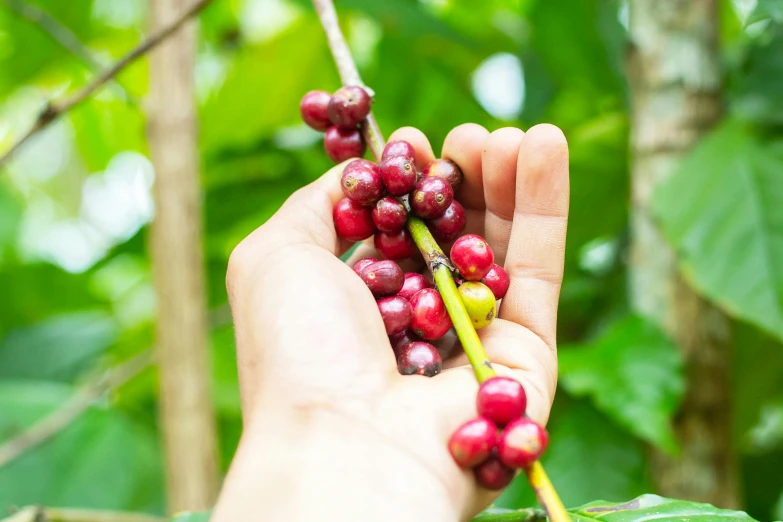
645, 507
76, 277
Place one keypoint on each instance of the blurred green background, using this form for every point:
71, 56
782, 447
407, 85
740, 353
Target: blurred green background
75, 204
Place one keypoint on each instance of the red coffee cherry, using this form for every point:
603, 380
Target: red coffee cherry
471, 443
472, 256
399, 174
395, 245
382, 278
313, 109
360, 264
396, 314
398, 148
342, 144
493, 475
497, 280
522, 443
448, 226
349, 106
430, 319
412, 284
431, 197
419, 358
501, 400
446, 169
389, 215
352, 221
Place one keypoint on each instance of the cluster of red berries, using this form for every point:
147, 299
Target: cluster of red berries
379, 198
501, 439
339, 116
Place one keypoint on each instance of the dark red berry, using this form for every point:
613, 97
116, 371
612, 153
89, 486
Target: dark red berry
471, 443
493, 475
360, 264
389, 215
501, 400
395, 245
522, 443
342, 144
445, 169
382, 278
399, 174
361, 182
349, 106
398, 148
419, 358
396, 314
313, 108
472, 256
448, 226
430, 319
497, 280
431, 197
412, 284
401, 340
352, 221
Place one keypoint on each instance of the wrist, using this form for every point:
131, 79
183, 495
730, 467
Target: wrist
317, 466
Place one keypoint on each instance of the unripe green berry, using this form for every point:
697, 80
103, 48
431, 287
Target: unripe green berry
479, 302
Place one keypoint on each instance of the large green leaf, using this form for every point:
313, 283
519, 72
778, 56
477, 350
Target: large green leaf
58, 348
722, 211
643, 508
633, 374
102, 460
589, 457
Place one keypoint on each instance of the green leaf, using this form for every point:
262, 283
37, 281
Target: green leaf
102, 460
58, 348
589, 457
633, 374
653, 507
722, 211
756, 86
766, 9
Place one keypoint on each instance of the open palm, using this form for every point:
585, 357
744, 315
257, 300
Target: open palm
331, 429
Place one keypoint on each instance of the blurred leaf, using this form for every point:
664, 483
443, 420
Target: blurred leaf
102, 460
492, 514
58, 348
10, 219
767, 9
653, 507
634, 375
588, 457
758, 83
261, 91
722, 211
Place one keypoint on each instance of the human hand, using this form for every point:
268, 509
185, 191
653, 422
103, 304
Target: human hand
332, 431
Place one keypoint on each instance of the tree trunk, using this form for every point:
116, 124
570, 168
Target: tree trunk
675, 78
186, 412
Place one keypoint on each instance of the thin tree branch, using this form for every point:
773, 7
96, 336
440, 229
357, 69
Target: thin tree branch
55, 109
81, 401
57, 31
44, 514
77, 404
346, 67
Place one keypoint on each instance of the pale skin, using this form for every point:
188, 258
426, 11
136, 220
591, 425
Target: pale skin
331, 430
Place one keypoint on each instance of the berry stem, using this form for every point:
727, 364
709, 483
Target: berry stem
437, 261
439, 266
546, 494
